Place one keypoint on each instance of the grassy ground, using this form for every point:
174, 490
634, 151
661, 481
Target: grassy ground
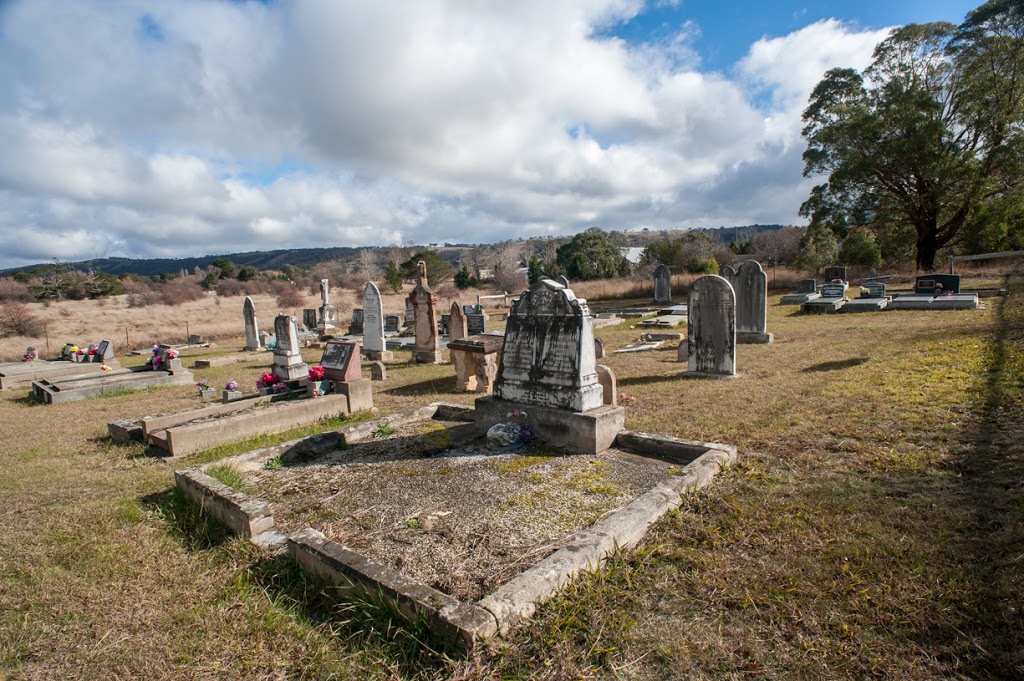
874, 527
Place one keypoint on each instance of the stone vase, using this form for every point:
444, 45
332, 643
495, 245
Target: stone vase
231, 395
208, 394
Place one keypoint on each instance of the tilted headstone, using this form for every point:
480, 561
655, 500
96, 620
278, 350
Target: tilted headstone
807, 286
662, 285
751, 288
548, 357
456, 323
711, 328
934, 284
288, 362
373, 319
341, 361
835, 272
424, 304
252, 333
609, 388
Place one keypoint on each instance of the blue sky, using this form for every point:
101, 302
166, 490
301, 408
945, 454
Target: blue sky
159, 129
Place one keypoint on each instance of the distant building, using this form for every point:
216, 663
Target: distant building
632, 253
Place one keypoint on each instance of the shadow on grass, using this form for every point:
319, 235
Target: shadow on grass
983, 634
442, 384
367, 621
648, 380
185, 521
27, 401
837, 365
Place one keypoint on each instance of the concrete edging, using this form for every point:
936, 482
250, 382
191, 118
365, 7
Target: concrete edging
244, 515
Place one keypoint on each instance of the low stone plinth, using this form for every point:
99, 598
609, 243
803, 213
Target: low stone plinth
244, 516
225, 360
587, 432
195, 436
476, 359
865, 305
125, 431
798, 298
358, 392
80, 387
960, 301
823, 305
21, 374
753, 338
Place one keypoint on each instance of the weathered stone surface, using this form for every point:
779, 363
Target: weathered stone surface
359, 393
727, 272
798, 298
588, 432
378, 371
863, 304
373, 319
548, 358
823, 305
309, 318
606, 377
328, 315
21, 374
125, 431
456, 323
476, 360
245, 516
424, 306
662, 285
252, 332
751, 288
711, 331
598, 348
288, 363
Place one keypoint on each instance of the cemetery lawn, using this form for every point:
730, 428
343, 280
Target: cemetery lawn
874, 526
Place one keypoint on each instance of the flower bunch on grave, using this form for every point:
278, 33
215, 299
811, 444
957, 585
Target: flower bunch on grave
316, 393
518, 417
316, 373
30, 355
104, 367
202, 385
171, 353
269, 380
92, 350
231, 385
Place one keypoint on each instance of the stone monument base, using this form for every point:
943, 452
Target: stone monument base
359, 393
290, 370
427, 356
587, 432
753, 338
378, 356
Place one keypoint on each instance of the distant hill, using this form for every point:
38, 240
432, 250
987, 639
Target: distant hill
307, 257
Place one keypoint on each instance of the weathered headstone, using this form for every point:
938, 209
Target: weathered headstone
309, 318
598, 348
266, 339
711, 328
355, 326
835, 272
807, 286
288, 362
606, 377
252, 334
378, 371
476, 360
456, 323
392, 323
548, 371
751, 287
328, 318
424, 304
410, 313
373, 323
727, 272
662, 285
563, 280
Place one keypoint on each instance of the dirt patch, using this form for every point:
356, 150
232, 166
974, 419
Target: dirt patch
457, 517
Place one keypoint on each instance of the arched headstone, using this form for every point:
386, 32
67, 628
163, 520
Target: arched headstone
662, 285
711, 328
252, 334
456, 323
373, 319
751, 288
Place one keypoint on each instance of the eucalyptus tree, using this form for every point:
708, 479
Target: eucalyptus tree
930, 132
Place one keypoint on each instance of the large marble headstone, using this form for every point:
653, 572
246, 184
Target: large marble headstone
751, 287
373, 319
288, 362
252, 333
662, 285
424, 305
456, 323
548, 358
711, 328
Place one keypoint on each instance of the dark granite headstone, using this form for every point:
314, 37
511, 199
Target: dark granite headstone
807, 286
935, 284
835, 272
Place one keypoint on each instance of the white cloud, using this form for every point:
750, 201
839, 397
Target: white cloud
145, 128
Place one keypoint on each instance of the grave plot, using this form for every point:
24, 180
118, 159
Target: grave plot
21, 374
195, 430
163, 368
415, 508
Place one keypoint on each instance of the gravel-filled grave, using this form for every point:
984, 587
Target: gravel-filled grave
453, 515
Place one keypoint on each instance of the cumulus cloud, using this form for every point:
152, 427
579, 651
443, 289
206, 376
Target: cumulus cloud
144, 128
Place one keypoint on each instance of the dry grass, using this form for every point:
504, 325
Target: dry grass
874, 527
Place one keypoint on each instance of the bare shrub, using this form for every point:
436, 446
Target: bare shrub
288, 294
17, 319
228, 288
13, 291
176, 294
65, 312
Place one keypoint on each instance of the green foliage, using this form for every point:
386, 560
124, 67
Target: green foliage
535, 269
247, 273
210, 280
591, 255
997, 225
383, 430
226, 267
464, 279
861, 249
931, 130
393, 277
437, 268
693, 252
229, 475
818, 247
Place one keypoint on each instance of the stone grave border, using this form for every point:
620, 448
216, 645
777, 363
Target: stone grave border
516, 600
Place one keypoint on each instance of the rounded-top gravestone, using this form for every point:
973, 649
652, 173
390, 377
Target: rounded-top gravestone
711, 328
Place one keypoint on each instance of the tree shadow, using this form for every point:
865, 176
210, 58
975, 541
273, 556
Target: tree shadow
836, 365
442, 384
185, 521
646, 380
